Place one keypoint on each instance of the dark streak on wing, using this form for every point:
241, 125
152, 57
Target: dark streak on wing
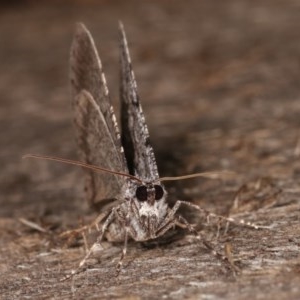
97, 131
135, 136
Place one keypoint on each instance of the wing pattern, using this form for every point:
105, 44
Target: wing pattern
135, 136
97, 131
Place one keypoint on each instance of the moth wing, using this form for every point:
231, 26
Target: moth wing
97, 131
135, 135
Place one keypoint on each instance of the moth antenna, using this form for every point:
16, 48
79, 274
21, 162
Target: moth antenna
212, 175
81, 164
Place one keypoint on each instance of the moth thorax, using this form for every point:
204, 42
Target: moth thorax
149, 192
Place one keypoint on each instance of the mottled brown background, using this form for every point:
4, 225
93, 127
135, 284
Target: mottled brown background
219, 82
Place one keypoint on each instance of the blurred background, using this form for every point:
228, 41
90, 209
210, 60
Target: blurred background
218, 80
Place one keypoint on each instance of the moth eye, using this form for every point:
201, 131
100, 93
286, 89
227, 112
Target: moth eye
141, 193
159, 192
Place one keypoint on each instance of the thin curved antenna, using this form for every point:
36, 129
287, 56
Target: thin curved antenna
81, 164
212, 174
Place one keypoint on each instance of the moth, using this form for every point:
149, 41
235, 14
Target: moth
122, 175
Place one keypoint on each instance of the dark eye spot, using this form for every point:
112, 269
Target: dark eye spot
159, 192
141, 193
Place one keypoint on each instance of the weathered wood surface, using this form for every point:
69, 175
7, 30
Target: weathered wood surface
219, 82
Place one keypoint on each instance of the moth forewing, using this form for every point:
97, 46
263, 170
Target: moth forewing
89, 119
135, 135
97, 131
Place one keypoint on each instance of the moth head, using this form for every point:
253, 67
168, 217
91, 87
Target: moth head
150, 201
150, 193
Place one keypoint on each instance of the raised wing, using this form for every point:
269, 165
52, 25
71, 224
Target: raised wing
135, 136
97, 130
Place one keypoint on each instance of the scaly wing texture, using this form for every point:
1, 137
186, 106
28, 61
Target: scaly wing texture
135, 136
97, 131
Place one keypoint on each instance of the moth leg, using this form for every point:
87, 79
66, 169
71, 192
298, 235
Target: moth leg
125, 222
182, 222
135, 212
99, 239
82, 229
169, 221
162, 230
99, 219
209, 214
124, 251
95, 246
